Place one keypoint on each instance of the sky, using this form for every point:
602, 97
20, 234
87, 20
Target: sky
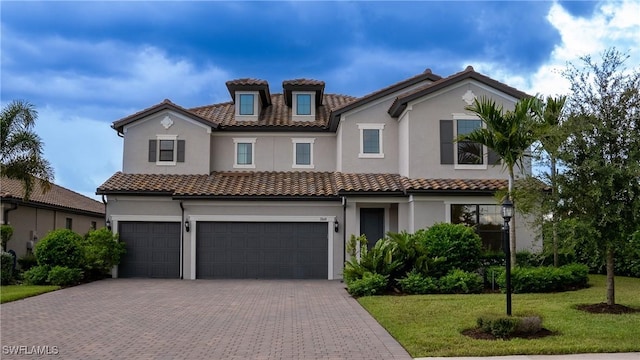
86, 64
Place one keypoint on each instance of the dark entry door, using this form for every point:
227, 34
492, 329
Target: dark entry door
372, 225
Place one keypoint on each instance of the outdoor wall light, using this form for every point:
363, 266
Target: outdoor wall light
108, 223
336, 226
186, 225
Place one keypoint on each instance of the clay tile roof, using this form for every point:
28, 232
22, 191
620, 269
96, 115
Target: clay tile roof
368, 182
246, 82
468, 73
286, 184
276, 115
303, 82
453, 184
57, 196
164, 105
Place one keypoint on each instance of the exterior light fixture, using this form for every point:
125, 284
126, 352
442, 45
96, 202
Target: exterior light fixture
108, 223
186, 225
336, 226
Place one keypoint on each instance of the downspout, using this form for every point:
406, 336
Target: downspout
344, 234
104, 201
182, 242
5, 217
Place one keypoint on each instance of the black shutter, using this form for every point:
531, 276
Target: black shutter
180, 150
152, 150
446, 141
493, 158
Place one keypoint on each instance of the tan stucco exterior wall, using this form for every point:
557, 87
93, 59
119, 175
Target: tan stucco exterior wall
30, 223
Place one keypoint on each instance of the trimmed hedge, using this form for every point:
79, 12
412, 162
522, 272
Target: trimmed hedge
416, 283
6, 270
461, 282
546, 278
456, 245
64, 276
37, 275
60, 247
502, 326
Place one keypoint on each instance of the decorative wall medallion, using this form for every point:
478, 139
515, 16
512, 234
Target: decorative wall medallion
468, 97
166, 122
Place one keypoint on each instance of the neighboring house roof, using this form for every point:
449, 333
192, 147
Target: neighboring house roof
277, 116
401, 101
57, 197
166, 104
293, 184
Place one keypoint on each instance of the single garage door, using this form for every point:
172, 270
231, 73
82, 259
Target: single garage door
263, 250
153, 249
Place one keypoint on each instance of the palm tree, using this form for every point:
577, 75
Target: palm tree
551, 137
22, 148
509, 134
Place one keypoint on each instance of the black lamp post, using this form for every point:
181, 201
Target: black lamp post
507, 214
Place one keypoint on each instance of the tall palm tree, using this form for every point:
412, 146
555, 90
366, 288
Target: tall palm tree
550, 135
509, 134
22, 148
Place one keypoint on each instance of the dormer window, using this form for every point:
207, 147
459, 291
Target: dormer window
303, 104
246, 104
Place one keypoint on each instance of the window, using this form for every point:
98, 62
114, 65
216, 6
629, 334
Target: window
303, 104
244, 153
69, 223
303, 153
469, 153
371, 140
485, 219
166, 150
93, 225
246, 104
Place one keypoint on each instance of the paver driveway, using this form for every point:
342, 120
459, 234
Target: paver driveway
202, 319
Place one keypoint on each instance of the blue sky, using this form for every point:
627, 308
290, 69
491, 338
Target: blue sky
85, 64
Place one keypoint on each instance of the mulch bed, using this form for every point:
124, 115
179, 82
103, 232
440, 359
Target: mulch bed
477, 333
603, 308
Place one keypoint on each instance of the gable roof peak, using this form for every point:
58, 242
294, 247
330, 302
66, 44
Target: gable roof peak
469, 68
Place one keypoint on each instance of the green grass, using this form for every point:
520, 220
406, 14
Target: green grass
430, 325
16, 292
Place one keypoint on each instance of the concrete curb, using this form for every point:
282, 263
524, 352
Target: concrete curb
599, 356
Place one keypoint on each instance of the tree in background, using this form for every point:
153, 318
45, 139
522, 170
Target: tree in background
600, 183
21, 147
509, 134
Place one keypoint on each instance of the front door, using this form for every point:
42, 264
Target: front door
372, 225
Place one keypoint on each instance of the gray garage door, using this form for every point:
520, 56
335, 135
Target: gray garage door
153, 249
261, 250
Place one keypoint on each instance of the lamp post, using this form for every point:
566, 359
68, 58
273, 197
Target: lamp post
507, 214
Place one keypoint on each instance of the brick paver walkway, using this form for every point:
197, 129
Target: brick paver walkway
202, 319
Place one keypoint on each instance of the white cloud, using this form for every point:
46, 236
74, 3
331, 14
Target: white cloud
611, 24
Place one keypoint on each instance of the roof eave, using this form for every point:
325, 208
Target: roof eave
165, 105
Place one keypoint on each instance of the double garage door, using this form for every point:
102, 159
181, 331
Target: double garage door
225, 250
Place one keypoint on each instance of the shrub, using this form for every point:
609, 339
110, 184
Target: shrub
6, 268
461, 282
37, 275
27, 262
369, 284
60, 247
416, 283
6, 232
526, 258
546, 278
102, 251
64, 276
503, 326
457, 243
379, 260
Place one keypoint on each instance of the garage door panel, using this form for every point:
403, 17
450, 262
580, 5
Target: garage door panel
153, 249
261, 250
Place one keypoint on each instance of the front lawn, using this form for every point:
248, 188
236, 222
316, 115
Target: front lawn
17, 292
430, 325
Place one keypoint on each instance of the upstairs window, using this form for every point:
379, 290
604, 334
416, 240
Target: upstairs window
303, 153
371, 140
469, 153
303, 104
68, 223
166, 150
246, 106
244, 153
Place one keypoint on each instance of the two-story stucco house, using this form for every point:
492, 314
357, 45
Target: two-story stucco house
271, 185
